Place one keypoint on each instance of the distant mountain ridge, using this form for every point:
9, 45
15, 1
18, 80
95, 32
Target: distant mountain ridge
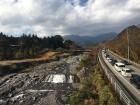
86, 40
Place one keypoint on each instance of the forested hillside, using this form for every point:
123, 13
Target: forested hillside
27, 46
120, 43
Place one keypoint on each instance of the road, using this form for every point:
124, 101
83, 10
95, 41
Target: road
124, 80
133, 67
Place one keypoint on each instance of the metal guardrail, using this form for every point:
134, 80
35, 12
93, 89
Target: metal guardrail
117, 85
132, 62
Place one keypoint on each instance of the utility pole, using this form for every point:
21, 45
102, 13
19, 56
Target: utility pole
128, 48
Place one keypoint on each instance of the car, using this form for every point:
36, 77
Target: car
108, 58
106, 55
103, 50
126, 72
113, 62
125, 62
135, 79
118, 66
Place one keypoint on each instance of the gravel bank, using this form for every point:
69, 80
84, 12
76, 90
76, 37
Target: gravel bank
32, 88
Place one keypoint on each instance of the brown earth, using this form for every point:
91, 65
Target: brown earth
45, 56
119, 44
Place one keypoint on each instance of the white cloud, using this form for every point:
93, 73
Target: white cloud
46, 17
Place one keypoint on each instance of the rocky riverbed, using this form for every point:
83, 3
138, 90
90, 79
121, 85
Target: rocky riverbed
46, 84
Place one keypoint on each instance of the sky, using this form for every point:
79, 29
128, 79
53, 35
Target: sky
67, 17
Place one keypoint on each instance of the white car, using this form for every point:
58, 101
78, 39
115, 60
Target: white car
118, 66
109, 59
103, 50
126, 72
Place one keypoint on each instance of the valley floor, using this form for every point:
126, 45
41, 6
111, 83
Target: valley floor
33, 87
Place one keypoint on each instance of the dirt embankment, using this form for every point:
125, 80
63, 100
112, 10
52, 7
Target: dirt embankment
46, 56
15, 66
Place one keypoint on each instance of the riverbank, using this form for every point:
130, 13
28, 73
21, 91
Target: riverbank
32, 87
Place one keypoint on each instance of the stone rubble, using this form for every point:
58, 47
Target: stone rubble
31, 88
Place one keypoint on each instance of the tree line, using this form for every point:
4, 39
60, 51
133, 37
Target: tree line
27, 46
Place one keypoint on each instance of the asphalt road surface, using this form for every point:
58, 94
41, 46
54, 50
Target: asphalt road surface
125, 80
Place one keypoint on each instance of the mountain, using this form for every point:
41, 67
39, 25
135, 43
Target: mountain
87, 40
120, 43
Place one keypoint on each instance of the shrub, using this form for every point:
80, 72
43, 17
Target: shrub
81, 97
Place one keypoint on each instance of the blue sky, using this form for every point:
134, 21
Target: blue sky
83, 2
65, 17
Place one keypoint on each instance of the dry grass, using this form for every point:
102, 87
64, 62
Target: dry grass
45, 56
119, 44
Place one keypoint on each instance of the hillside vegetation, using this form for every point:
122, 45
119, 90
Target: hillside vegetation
120, 44
44, 57
95, 88
30, 46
